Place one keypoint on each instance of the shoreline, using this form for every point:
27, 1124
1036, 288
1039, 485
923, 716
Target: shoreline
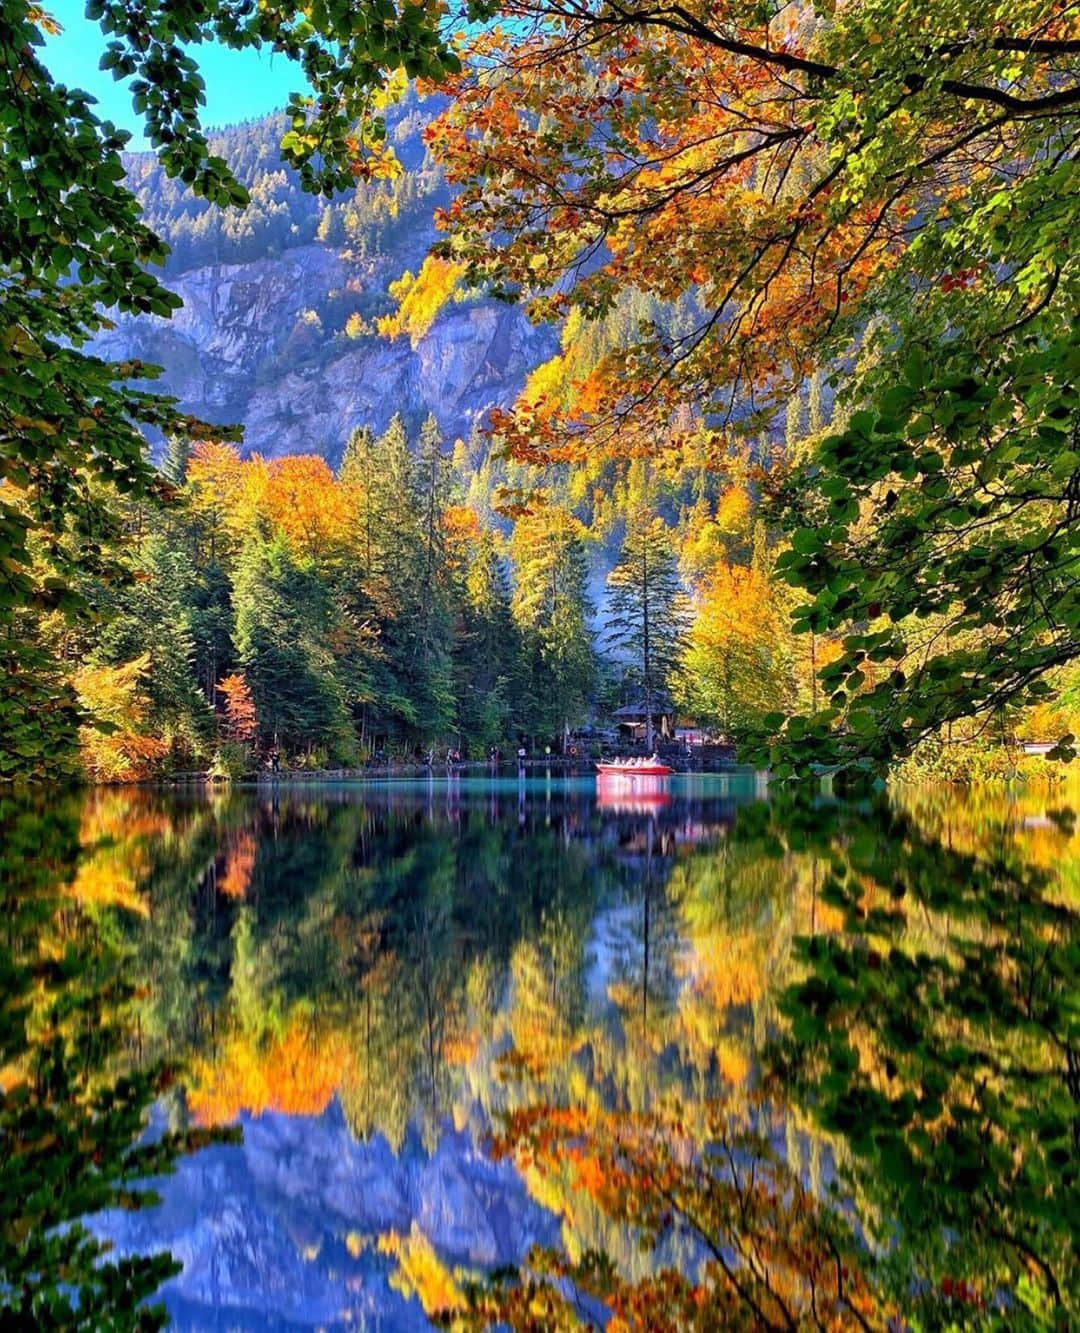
540, 769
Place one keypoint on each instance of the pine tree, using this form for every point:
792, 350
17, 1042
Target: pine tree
174, 464
394, 493
487, 646
551, 608
433, 614
153, 618
283, 627
432, 480
647, 609
359, 470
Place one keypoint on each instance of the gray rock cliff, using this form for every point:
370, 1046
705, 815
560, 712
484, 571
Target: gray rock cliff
250, 347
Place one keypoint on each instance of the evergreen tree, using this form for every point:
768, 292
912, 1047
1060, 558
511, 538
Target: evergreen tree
647, 609
153, 617
174, 464
487, 648
283, 625
551, 608
360, 470
433, 674
394, 509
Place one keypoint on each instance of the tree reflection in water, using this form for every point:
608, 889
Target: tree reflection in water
73, 1105
814, 1066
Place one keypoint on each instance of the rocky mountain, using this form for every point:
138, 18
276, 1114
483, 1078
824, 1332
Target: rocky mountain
278, 327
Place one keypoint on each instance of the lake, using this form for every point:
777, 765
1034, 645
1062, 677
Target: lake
713, 1061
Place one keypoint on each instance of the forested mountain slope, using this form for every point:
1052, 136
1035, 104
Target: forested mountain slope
278, 329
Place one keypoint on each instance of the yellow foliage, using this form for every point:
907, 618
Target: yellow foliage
420, 299
734, 510
703, 548
107, 881
734, 1062
227, 488
297, 1072
546, 384
116, 748
298, 496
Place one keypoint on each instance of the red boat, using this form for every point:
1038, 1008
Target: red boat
619, 768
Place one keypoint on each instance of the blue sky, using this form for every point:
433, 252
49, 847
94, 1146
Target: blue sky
239, 84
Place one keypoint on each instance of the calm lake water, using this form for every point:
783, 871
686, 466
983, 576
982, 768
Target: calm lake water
435, 1008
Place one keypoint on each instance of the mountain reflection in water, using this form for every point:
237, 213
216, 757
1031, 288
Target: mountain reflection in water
376, 982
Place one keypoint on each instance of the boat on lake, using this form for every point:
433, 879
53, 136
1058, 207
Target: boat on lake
629, 768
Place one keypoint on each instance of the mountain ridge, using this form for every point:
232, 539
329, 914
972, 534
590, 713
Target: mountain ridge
277, 330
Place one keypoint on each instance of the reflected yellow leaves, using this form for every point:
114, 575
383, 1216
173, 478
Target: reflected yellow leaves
420, 1272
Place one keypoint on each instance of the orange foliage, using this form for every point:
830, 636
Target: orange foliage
297, 1072
785, 1263
305, 501
240, 720
123, 751
712, 206
298, 496
239, 865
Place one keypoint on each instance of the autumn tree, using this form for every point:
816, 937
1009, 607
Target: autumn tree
420, 298
117, 742
735, 668
240, 721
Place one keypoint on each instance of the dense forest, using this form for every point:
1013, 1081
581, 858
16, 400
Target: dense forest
433, 594
280, 215
424, 596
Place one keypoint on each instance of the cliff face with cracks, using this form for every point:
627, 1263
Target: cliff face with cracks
278, 330
250, 347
